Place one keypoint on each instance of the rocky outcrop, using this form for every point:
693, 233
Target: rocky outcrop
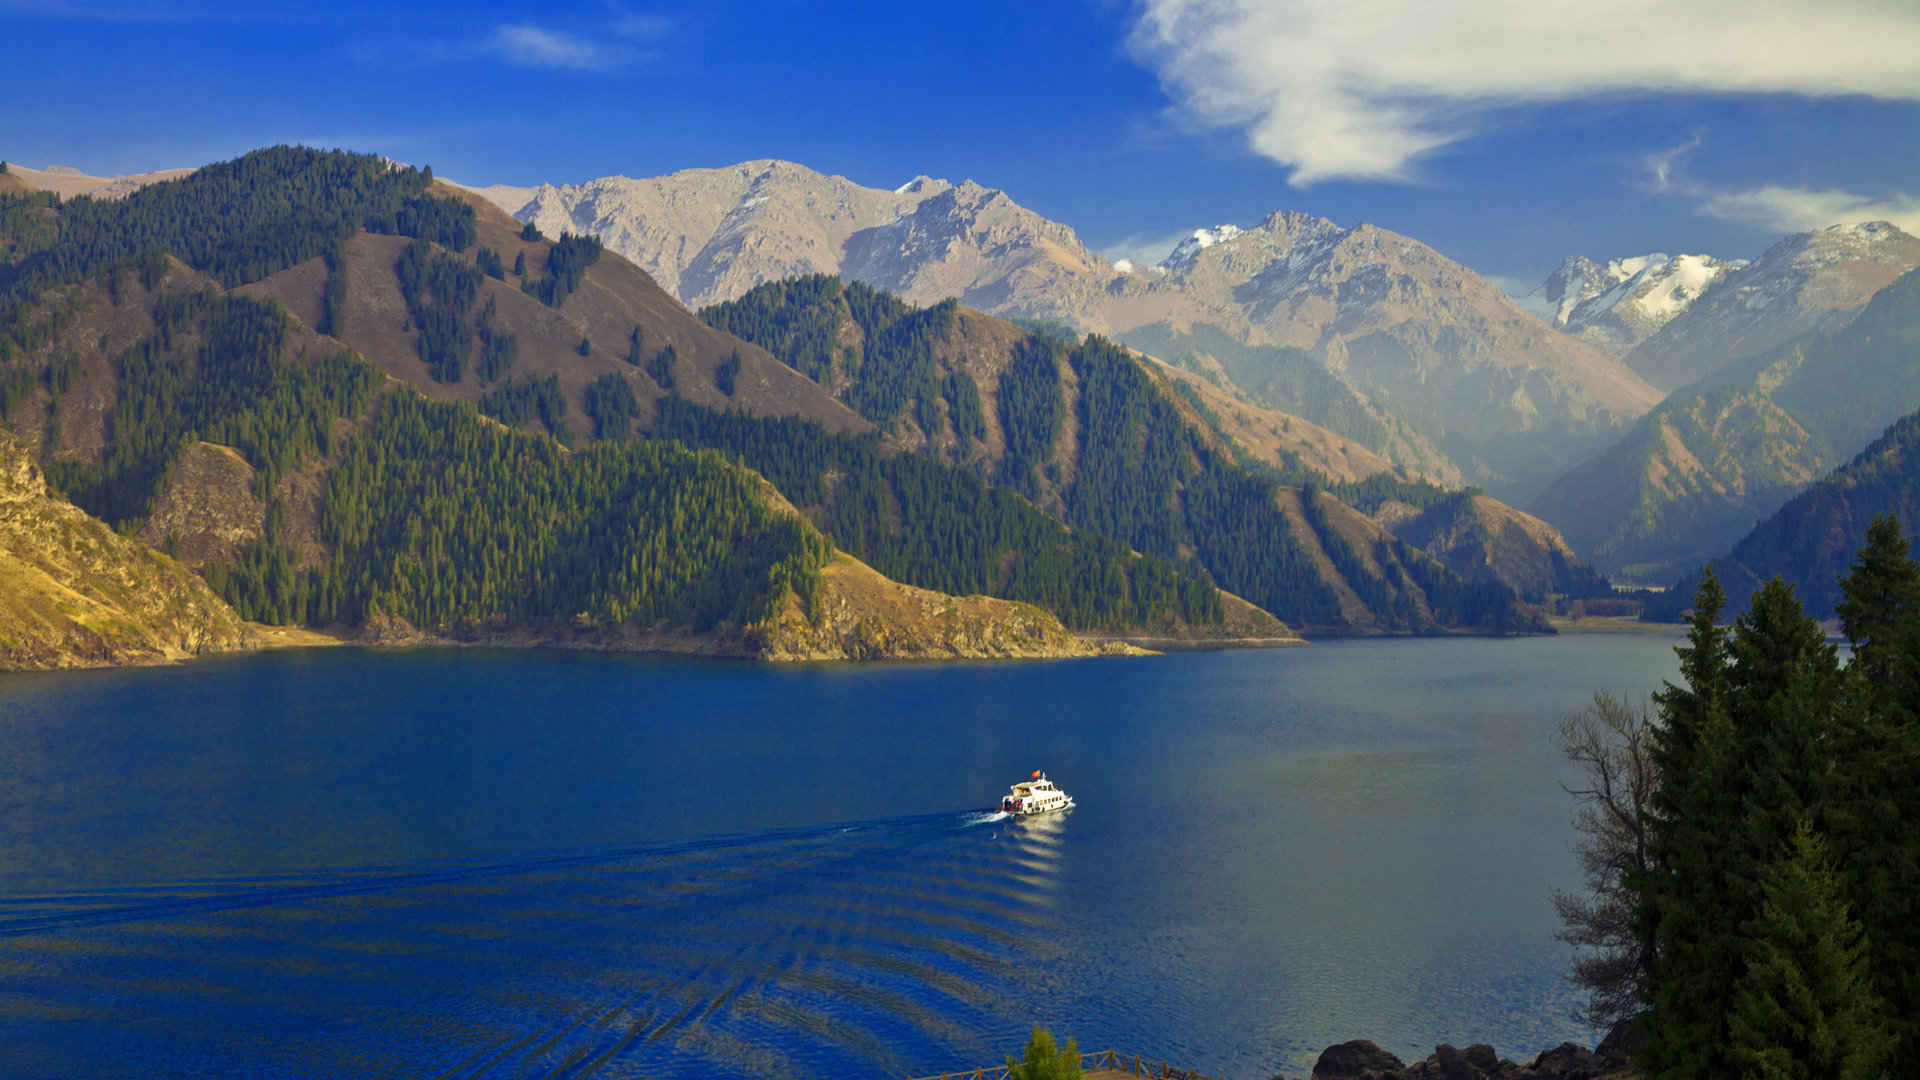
857, 614
75, 594
205, 509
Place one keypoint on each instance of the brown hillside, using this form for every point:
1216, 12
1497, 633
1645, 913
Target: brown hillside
1266, 433
1483, 539
75, 594
614, 297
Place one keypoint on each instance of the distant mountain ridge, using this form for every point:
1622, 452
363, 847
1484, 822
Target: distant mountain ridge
1626, 301
1807, 282
1717, 456
1812, 540
1506, 398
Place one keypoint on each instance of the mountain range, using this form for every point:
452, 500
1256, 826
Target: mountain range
1811, 542
1454, 376
1718, 456
283, 391
1352, 376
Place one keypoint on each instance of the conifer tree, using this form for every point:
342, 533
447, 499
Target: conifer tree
1804, 1009
1878, 769
1880, 612
1679, 896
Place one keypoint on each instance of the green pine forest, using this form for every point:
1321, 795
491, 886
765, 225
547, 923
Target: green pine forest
429, 514
1142, 473
220, 368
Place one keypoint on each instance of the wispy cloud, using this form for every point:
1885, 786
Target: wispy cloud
621, 42
527, 45
1143, 249
1361, 88
1660, 164
1786, 209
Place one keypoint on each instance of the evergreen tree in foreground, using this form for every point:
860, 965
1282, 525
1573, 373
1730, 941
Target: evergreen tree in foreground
1878, 771
1804, 1009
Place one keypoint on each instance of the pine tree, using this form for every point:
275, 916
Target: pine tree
1880, 611
1804, 1009
586, 347
1680, 895
520, 264
1878, 769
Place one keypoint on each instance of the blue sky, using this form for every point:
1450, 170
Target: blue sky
1505, 135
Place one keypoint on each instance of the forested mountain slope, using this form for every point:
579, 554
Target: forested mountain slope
133, 369
139, 377
1812, 540
1106, 442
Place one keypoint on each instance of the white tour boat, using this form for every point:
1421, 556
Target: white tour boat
1035, 796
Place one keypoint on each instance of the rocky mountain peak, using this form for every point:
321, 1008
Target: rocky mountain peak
1812, 281
1622, 303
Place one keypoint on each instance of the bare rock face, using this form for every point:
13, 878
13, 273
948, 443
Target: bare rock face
1815, 281
1504, 396
205, 509
75, 594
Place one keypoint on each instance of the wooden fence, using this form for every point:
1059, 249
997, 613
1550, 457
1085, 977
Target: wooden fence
1099, 1061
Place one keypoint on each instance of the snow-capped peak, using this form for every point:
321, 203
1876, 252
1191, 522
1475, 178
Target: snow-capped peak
1197, 241
1627, 299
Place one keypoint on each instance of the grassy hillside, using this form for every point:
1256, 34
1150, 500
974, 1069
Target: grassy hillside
74, 594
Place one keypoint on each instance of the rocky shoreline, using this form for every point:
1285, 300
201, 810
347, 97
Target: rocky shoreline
1363, 1060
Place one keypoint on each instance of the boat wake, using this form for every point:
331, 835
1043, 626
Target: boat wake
858, 948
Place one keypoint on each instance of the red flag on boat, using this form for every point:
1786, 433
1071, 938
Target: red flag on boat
1036, 774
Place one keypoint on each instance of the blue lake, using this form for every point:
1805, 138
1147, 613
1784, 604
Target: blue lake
486, 863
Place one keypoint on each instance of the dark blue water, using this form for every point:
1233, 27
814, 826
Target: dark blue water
510, 864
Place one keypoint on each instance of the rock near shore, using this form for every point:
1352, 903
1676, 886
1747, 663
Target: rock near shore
1363, 1060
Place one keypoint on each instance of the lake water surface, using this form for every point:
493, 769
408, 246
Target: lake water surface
484, 863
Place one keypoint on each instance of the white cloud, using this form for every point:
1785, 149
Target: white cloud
1360, 88
1660, 164
1528, 296
527, 45
1803, 209
1143, 249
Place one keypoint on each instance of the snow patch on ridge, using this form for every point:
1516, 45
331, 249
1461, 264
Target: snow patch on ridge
1199, 240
